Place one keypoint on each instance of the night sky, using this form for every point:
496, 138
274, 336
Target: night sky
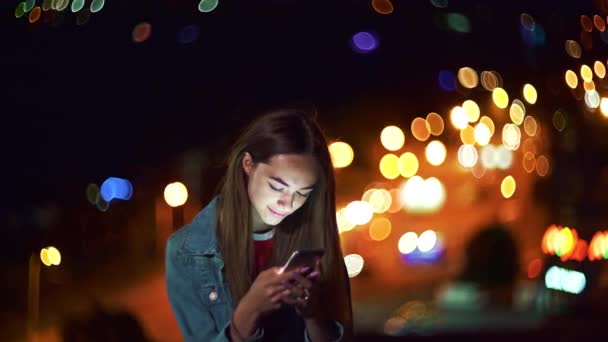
84, 102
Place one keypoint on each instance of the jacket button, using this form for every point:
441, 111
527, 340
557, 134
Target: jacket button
213, 295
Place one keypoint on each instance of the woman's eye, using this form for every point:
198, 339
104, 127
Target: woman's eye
273, 188
303, 195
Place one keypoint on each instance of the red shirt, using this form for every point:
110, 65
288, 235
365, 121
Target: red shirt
262, 251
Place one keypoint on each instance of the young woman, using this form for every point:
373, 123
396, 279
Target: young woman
222, 269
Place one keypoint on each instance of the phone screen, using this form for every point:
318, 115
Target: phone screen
302, 258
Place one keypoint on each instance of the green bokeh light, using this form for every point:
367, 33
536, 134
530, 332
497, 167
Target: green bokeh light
207, 5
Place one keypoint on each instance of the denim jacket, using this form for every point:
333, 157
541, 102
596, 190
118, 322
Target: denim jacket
197, 289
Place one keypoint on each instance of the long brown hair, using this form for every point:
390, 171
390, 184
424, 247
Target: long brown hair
313, 225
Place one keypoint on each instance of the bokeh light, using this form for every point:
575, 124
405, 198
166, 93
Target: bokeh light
420, 129
359, 212
392, 138
467, 77
482, 134
435, 123
459, 117
472, 109
354, 264
467, 155
530, 126
141, 32
364, 42
176, 194
407, 165
508, 186
116, 188
530, 93
380, 229
97, 5
422, 196
341, 153
500, 97
389, 166
435, 152
447, 80
427, 240
408, 243
206, 6
382, 6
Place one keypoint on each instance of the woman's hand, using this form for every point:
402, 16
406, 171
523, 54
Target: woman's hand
304, 290
264, 296
267, 290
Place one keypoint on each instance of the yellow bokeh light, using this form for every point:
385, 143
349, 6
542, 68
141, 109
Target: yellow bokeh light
600, 69
435, 152
467, 76
380, 200
44, 257
482, 134
459, 117
435, 122
54, 255
500, 97
571, 79
176, 194
342, 154
507, 187
472, 110
586, 73
420, 129
407, 164
604, 106
565, 241
530, 93
516, 113
530, 126
380, 229
392, 138
488, 122
389, 166
467, 135
542, 166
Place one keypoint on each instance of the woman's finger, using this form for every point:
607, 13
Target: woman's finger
302, 281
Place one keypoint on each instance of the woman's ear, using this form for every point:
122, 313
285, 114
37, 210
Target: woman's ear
247, 163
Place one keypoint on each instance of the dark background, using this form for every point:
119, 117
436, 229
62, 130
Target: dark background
82, 103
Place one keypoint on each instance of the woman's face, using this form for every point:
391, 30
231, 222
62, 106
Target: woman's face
278, 188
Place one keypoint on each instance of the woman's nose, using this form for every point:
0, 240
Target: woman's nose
286, 201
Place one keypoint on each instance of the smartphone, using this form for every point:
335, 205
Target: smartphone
302, 258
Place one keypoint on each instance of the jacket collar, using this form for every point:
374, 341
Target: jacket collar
201, 239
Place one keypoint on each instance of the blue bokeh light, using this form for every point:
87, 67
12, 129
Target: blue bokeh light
535, 37
429, 257
364, 42
188, 34
116, 188
447, 80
